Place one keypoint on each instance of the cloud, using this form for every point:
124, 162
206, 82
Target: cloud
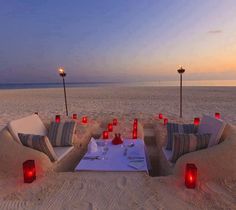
215, 32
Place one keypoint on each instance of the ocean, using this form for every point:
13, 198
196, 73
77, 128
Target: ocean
194, 83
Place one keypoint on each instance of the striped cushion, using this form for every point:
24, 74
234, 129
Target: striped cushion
62, 134
178, 128
40, 143
185, 143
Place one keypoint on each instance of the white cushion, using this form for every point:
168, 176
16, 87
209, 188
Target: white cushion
213, 126
28, 125
61, 152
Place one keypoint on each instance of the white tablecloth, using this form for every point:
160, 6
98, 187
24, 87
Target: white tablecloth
115, 158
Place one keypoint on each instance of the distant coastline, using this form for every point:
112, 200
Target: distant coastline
194, 83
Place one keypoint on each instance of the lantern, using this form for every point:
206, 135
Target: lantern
110, 127
115, 121
160, 116
196, 121
84, 119
165, 121
58, 118
135, 134
29, 171
74, 116
105, 135
217, 115
190, 175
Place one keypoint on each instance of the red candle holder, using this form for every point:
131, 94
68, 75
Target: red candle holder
165, 121
190, 175
58, 118
160, 116
29, 171
85, 119
217, 115
74, 116
105, 135
115, 122
135, 134
196, 121
135, 126
110, 127
136, 121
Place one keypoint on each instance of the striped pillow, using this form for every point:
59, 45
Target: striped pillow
62, 134
178, 128
40, 143
185, 143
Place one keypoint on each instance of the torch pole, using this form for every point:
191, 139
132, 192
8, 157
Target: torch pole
65, 95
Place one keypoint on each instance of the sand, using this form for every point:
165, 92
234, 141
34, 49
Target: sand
138, 190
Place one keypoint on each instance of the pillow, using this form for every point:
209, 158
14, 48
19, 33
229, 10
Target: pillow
185, 143
178, 128
213, 126
40, 143
62, 134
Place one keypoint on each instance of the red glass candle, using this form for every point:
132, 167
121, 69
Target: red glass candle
74, 116
165, 121
135, 126
136, 121
110, 127
196, 121
58, 118
29, 171
160, 116
190, 175
135, 134
217, 115
84, 119
115, 121
105, 135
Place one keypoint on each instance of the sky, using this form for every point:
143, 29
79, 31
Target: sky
115, 41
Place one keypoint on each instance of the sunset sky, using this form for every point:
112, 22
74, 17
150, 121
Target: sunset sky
123, 40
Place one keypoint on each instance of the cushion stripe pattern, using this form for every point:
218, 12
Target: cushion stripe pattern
185, 143
178, 128
62, 134
40, 143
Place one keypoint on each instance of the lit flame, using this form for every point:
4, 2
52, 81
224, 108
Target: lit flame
61, 70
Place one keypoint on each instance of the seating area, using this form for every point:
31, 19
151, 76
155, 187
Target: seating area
167, 148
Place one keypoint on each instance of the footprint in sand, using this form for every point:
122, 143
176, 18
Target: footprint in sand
81, 205
121, 182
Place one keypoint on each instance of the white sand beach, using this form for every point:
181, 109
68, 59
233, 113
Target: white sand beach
124, 190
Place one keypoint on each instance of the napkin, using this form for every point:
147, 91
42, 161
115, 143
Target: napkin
92, 147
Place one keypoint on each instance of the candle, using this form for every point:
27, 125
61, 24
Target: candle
135, 134
84, 119
29, 171
115, 121
135, 120
217, 115
196, 121
74, 116
105, 135
165, 121
58, 118
110, 127
160, 116
190, 175
135, 126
